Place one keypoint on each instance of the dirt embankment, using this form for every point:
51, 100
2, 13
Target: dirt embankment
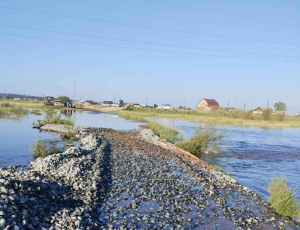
104, 109
119, 180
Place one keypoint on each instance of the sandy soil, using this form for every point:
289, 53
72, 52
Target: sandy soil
103, 109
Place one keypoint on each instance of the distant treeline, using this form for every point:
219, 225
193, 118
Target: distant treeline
12, 96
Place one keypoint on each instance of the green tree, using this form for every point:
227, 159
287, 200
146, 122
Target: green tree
280, 106
62, 99
155, 105
121, 102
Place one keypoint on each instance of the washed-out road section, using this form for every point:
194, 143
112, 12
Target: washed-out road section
119, 179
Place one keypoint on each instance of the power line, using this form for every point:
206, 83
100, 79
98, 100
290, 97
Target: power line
149, 43
153, 28
224, 14
153, 50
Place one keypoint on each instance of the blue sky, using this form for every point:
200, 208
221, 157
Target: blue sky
36, 66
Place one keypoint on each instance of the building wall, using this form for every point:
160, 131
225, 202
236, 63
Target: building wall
202, 106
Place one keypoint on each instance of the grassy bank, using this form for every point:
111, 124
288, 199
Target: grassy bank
25, 104
131, 116
165, 133
237, 117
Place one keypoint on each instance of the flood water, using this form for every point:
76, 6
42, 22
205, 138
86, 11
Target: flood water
252, 155
16, 136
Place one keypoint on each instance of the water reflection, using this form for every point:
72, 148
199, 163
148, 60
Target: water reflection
16, 136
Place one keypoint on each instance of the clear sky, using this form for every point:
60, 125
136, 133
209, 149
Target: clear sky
39, 66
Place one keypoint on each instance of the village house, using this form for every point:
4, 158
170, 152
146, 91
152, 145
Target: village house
107, 103
207, 105
90, 102
259, 110
228, 109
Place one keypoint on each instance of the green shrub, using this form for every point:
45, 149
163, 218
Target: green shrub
165, 133
282, 198
128, 109
280, 116
39, 149
267, 114
70, 135
43, 148
204, 140
11, 112
52, 118
6, 105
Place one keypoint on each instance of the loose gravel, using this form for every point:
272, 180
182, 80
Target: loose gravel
118, 180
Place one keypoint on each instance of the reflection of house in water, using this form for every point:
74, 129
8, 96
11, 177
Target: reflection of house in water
207, 104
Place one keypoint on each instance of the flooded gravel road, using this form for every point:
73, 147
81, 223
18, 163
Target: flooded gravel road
118, 180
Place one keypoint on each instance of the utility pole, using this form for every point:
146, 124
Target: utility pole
228, 104
147, 101
185, 103
74, 92
235, 102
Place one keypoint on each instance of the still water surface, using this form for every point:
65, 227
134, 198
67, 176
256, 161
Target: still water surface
252, 155
17, 136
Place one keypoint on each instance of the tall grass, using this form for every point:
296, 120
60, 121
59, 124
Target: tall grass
267, 114
10, 111
282, 198
205, 140
43, 148
131, 116
52, 118
70, 135
165, 133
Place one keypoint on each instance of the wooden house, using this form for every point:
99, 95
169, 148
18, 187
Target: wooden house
207, 105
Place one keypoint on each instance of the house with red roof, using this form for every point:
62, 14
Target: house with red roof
207, 105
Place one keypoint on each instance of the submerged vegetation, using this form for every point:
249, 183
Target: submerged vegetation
36, 112
43, 148
282, 198
165, 133
10, 111
205, 140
